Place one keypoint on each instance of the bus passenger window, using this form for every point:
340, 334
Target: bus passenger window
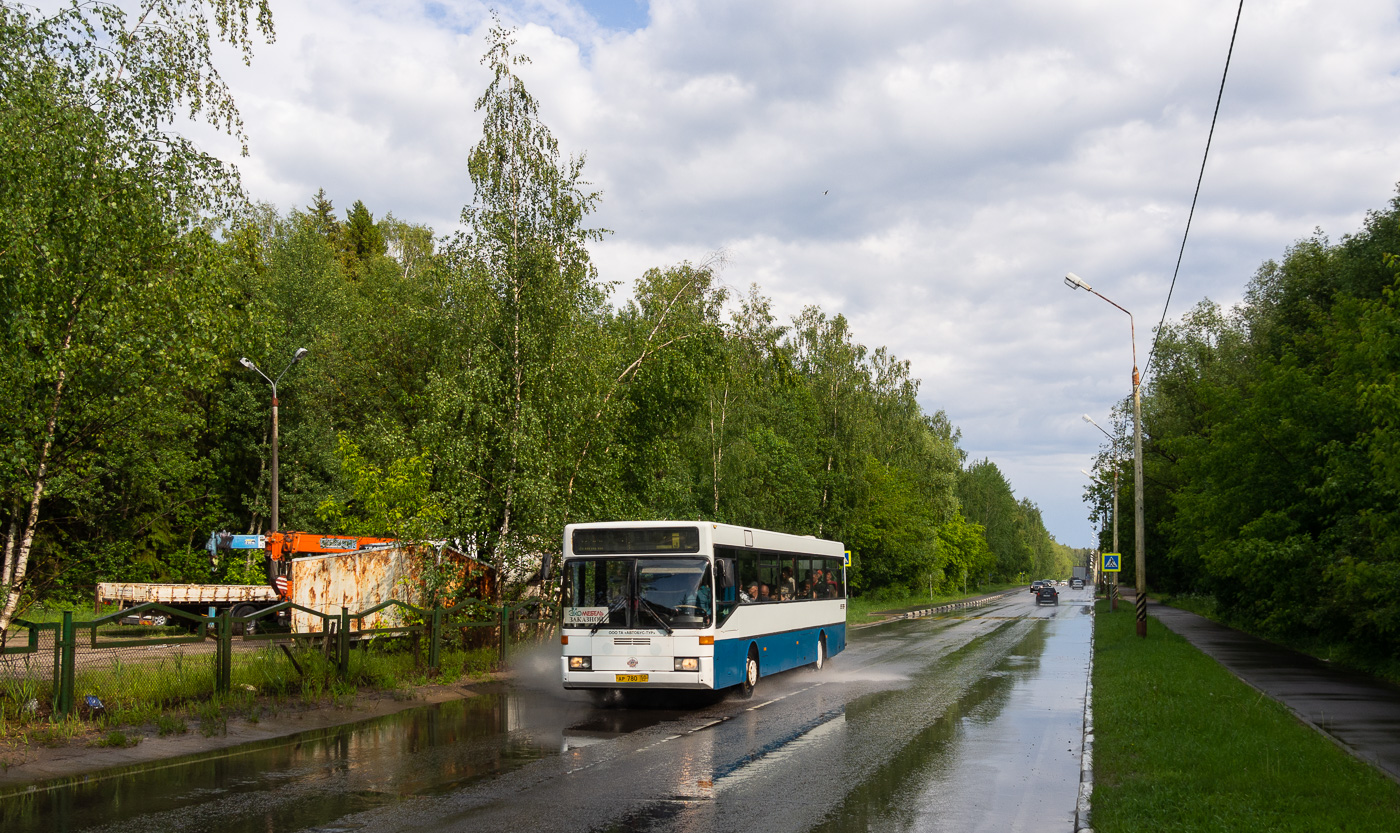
836, 588
748, 574
769, 577
806, 579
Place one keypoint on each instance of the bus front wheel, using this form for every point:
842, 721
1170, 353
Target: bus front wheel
746, 686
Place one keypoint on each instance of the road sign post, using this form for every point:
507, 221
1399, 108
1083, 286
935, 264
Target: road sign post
1113, 565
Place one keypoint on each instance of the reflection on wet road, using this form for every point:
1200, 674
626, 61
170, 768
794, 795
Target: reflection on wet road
971, 722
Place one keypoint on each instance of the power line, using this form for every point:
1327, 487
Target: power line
1153, 352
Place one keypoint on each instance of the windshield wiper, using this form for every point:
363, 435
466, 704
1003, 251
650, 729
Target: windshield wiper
655, 615
616, 606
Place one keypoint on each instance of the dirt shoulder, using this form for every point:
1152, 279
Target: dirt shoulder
27, 765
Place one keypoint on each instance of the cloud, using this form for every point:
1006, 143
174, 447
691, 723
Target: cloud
930, 170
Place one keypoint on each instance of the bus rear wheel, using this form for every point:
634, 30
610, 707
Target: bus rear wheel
746, 685
820, 661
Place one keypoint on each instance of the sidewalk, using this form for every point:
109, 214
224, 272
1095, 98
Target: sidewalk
1359, 712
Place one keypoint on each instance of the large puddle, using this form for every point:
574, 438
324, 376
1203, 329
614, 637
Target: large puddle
315, 777
1003, 757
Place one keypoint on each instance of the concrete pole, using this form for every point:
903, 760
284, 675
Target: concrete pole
1138, 532
1113, 591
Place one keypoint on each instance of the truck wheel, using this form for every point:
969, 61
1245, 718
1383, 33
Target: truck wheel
248, 628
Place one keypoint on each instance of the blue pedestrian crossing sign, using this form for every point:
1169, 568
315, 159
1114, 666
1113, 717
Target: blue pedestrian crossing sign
1112, 562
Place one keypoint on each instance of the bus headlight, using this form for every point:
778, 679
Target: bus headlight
687, 664
580, 663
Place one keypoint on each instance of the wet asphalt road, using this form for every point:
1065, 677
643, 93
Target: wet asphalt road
969, 722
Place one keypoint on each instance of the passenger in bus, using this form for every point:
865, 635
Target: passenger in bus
819, 584
704, 599
805, 591
749, 594
788, 584
763, 593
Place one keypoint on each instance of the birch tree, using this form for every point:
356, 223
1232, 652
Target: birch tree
107, 283
514, 402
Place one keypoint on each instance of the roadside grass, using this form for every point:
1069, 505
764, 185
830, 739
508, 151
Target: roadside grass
163, 695
860, 608
1180, 744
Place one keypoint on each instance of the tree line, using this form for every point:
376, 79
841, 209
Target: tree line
1272, 449
477, 387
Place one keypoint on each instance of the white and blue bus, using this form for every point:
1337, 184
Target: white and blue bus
694, 605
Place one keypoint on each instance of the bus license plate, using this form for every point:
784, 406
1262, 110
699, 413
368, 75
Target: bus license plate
631, 678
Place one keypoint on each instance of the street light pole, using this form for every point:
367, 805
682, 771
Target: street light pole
296, 357
1113, 591
1073, 281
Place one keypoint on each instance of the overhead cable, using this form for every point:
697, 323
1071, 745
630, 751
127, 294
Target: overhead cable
1153, 352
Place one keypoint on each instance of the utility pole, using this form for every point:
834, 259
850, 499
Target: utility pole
296, 357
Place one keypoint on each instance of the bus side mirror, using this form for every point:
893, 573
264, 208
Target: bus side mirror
726, 572
546, 567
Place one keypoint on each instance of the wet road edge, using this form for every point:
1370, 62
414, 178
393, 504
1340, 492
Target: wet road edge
1082, 819
920, 613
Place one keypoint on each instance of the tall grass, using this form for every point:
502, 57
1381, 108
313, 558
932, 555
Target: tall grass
165, 691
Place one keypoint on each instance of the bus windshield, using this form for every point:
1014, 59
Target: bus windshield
670, 593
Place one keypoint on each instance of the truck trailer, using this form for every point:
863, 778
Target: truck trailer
199, 599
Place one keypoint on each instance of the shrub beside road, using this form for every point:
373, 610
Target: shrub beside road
1183, 745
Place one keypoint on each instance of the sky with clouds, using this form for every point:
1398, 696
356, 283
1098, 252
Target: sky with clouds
929, 168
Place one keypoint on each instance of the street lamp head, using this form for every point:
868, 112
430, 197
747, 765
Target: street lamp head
1073, 281
297, 356
244, 361
1089, 419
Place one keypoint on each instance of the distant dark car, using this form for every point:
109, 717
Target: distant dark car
1035, 585
1047, 594
1077, 583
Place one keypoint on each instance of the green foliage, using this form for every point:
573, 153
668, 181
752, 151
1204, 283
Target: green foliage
395, 502
1271, 445
1015, 532
113, 284
477, 388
